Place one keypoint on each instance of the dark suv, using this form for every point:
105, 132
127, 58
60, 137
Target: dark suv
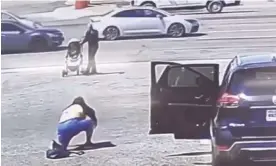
239, 116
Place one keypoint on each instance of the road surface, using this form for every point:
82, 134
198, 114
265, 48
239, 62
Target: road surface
22, 7
33, 95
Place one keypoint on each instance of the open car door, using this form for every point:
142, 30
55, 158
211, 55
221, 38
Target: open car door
182, 100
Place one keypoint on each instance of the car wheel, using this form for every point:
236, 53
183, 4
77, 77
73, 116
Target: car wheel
111, 33
215, 7
38, 44
176, 30
63, 73
151, 4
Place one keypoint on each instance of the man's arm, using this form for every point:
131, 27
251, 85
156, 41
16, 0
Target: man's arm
91, 113
85, 38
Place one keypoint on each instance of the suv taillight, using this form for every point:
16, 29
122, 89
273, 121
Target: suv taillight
228, 100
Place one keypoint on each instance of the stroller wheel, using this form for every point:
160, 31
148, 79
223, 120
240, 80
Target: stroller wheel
64, 73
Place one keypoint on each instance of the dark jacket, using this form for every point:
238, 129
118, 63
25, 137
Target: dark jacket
92, 37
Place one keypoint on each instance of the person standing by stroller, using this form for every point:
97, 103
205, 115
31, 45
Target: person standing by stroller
92, 37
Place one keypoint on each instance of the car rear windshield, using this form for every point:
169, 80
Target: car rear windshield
252, 82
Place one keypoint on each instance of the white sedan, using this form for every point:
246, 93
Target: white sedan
142, 21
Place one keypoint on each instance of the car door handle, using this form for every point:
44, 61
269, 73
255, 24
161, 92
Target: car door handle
199, 97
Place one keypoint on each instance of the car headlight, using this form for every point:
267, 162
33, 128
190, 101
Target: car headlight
195, 23
52, 35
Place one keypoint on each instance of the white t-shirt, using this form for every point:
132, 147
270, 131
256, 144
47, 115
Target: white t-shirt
74, 111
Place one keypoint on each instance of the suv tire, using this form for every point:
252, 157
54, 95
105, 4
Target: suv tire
215, 7
149, 3
38, 44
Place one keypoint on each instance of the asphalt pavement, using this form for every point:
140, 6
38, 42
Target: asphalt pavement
21, 7
34, 93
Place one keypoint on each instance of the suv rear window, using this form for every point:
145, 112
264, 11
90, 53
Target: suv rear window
251, 82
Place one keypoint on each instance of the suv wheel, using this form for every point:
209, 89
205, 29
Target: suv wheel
111, 33
215, 7
150, 4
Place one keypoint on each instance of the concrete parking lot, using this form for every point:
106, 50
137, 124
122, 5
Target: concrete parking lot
34, 94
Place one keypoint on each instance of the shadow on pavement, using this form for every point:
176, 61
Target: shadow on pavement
95, 146
61, 48
109, 73
157, 37
72, 74
190, 154
202, 163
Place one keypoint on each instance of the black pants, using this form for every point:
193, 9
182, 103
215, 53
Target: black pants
91, 67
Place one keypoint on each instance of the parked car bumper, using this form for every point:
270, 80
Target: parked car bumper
194, 25
195, 28
255, 151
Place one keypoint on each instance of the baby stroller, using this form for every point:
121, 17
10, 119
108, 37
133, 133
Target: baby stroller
73, 58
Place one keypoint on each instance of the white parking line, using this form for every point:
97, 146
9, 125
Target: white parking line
107, 66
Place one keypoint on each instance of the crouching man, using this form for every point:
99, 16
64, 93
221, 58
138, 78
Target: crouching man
77, 117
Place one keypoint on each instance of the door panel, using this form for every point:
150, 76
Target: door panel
182, 99
151, 24
4, 46
196, 2
181, 2
128, 21
130, 25
16, 40
14, 37
167, 3
158, 115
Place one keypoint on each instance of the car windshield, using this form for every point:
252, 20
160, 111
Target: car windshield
30, 24
254, 82
10, 15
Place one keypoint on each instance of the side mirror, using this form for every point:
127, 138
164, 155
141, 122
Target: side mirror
159, 16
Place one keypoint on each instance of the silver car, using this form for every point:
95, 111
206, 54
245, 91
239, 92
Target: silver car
142, 21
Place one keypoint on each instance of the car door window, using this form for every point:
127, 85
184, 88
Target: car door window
6, 27
190, 77
130, 13
151, 13
5, 16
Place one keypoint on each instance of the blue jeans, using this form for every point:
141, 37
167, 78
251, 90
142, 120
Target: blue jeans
70, 128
